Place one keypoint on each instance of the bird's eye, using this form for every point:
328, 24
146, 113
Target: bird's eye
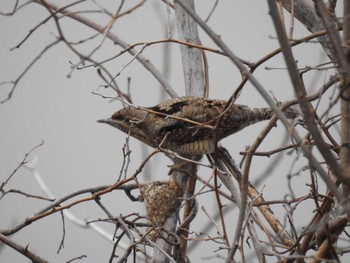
119, 117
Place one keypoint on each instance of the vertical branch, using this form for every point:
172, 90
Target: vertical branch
194, 85
345, 107
162, 247
190, 185
191, 58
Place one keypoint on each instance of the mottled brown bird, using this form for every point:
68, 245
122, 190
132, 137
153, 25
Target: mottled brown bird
188, 125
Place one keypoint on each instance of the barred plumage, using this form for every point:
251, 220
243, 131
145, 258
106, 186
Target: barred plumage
188, 125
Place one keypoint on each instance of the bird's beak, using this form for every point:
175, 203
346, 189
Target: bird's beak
108, 121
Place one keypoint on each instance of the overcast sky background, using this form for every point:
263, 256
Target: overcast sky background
78, 152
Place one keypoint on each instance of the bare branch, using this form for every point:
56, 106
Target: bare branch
22, 250
23, 162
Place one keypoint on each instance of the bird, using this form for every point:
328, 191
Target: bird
188, 125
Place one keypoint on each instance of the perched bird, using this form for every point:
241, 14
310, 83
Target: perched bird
188, 125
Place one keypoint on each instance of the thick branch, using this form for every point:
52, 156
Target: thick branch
191, 57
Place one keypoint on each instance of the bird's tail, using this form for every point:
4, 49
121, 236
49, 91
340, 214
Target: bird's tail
267, 113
